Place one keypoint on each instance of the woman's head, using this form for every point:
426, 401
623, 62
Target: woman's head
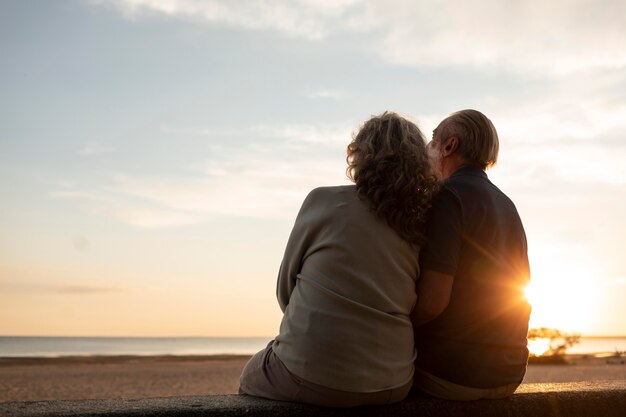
388, 162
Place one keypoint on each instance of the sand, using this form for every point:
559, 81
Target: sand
118, 377
72, 378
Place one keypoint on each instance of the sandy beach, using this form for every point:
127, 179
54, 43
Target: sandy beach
92, 377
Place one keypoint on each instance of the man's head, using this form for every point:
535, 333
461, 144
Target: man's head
467, 137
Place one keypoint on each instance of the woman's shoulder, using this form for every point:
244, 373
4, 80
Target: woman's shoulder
323, 197
334, 193
332, 190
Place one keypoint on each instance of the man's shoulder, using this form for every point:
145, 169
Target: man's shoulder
470, 186
475, 193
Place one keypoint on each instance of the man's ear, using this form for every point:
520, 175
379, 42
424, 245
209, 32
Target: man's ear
450, 146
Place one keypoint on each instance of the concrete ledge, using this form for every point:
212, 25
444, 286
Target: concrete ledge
598, 398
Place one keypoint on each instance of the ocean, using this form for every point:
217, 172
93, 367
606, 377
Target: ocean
14, 346
32, 346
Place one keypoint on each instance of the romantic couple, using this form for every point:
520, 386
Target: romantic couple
413, 278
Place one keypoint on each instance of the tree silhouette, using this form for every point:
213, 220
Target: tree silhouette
558, 343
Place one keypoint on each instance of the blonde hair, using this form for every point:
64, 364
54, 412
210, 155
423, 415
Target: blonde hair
478, 139
388, 162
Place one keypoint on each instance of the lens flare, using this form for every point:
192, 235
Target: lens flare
562, 297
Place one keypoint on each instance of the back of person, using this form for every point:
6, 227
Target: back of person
480, 339
346, 325
346, 284
471, 317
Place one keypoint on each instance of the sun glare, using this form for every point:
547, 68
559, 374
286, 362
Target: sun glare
562, 297
538, 346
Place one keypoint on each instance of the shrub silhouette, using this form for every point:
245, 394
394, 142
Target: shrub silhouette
558, 343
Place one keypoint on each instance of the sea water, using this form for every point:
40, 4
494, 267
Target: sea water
11, 346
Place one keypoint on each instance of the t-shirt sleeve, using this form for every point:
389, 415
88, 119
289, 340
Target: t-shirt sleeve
443, 234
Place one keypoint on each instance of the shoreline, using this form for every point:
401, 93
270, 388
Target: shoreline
120, 358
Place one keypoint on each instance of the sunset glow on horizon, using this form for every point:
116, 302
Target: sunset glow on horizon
154, 155
563, 298
538, 347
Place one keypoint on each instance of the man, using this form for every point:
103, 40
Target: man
471, 317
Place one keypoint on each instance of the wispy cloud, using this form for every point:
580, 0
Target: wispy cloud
555, 149
572, 131
67, 289
574, 47
143, 214
333, 135
265, 179
307, 19
332, 94
574, 108
555, 37
269, 176
95, 148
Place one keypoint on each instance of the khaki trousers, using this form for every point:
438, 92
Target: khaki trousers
437, 387
266, 376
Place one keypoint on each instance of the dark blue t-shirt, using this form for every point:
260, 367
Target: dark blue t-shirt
475, 234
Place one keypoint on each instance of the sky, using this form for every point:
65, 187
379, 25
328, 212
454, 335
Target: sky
154, 154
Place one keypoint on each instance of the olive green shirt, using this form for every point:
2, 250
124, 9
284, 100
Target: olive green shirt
346, 286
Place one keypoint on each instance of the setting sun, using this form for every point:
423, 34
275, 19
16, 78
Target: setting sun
538, 346
562, 297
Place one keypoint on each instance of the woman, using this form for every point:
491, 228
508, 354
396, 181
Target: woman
346, 284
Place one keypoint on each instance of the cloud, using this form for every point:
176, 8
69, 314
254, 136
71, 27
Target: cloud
264, 171
577, 164
556, 37
571, 131
70, 289
82, 289
575, 108
323, 94
307, 19
142, 214
268, 178
553, 148
335, 135
95, 148
148, 218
